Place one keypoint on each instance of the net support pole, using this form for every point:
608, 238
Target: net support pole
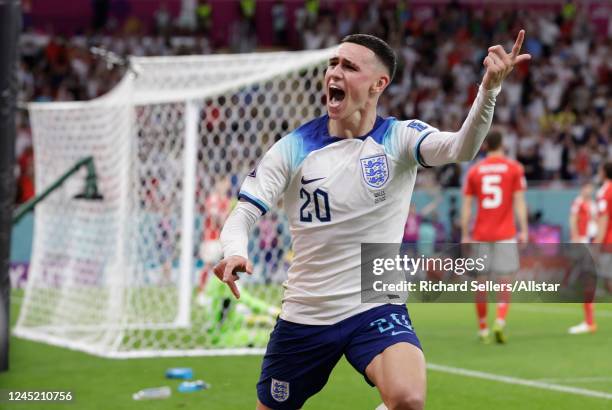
10, 24
192, 114
90, 191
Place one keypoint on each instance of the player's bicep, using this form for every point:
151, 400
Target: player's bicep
469, 188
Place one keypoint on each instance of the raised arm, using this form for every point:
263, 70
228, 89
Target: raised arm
441, 147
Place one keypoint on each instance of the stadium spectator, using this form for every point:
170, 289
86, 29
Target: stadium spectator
562, 95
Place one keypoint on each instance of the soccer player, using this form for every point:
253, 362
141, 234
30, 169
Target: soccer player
347, 178
498, 184
604, 225
580, 221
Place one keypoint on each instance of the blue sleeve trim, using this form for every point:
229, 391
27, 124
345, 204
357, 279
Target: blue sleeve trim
250, 198
417, 150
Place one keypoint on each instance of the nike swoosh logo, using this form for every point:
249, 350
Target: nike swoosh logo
308, 181
397, 333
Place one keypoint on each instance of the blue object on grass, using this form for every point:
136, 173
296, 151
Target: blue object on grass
193, 386
179, 373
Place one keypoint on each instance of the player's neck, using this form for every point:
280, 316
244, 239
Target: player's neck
357, 125
496, 154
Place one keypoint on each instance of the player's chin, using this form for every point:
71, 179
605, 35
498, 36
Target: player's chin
333, 115
335, 112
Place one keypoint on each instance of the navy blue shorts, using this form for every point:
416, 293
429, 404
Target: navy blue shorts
300, 358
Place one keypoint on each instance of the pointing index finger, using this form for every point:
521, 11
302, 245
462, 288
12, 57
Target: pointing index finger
518, 44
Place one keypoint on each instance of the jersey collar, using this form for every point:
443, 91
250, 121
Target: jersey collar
376, 133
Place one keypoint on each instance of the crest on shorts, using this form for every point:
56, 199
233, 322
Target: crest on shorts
279, 390
375, 170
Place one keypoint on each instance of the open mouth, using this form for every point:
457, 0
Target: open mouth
336, 95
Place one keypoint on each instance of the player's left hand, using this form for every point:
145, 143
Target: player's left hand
523, 237
499, 63
226, 270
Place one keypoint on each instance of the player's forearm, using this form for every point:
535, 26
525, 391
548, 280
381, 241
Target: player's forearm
521, 211
573, 227
235, 233
602, 225
444, 147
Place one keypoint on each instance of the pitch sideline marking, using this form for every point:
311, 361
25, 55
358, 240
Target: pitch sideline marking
518, 381
577, 379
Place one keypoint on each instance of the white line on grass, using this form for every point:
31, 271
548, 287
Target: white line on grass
520, 382
577, 379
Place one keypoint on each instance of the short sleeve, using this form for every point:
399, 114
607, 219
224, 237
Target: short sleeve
469, 186
520, 183
602, 206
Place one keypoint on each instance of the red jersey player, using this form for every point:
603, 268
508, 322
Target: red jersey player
581, 217
604, 237
604, 208
498, 184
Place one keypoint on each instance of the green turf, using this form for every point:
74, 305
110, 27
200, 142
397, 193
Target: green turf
538, 349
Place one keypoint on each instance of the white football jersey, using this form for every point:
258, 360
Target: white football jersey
338, 193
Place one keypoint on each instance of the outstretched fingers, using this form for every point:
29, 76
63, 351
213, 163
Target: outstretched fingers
521, 58
499, 63
516, 57
518, 44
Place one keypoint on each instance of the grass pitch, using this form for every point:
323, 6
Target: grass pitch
538, 350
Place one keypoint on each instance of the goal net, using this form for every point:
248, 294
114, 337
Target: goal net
129, 275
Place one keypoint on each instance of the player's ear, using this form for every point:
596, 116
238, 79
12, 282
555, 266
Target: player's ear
380, 84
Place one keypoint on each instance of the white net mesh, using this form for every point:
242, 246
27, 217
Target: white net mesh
128, 276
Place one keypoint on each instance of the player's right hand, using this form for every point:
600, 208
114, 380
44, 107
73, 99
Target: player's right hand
227, 269
499, 63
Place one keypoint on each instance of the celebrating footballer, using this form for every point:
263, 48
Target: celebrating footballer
347, 178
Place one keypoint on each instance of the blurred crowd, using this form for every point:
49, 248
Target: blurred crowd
555, 111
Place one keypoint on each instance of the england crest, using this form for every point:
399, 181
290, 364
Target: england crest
375, 170
279, 390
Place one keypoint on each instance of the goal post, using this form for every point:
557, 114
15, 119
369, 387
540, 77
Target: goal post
10, 27
128, 276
